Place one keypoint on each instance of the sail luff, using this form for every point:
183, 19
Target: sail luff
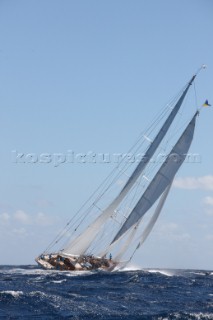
79, 245
162, 179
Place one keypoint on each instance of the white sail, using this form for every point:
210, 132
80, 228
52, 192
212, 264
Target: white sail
147, 230
80, 244
154, 218
125, 246
111, 246
162, 179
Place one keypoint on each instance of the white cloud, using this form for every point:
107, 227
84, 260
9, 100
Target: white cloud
209, 211
181, 237
42, 219
20, 232
21, 224
204, 183
4, 217
43, 203
172, 232
209, 237
168, 228
22, 217
208, 200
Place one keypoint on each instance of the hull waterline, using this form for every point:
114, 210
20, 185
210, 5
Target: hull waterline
75, 263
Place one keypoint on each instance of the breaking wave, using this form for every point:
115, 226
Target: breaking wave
27, 292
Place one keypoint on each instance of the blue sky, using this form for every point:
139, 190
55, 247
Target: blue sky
90, 75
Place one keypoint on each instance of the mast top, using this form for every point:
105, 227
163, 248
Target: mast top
204, 66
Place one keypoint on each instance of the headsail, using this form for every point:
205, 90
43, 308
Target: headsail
79, 245
154, 218
162, 179
147, 229
125, 247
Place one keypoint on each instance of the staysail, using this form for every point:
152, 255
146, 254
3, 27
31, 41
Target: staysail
145, 232
155, 216
81, 243
162, 179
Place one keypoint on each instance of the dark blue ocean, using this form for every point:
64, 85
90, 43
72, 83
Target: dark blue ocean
27, 292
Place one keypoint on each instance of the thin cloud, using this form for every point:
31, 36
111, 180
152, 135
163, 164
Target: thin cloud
192, 183
43, 203
20, 232
22, 217
4, 217
43, 220
172, 232
208, 200
209, 237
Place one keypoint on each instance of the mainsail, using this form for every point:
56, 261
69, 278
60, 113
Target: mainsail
81, 243
162, 179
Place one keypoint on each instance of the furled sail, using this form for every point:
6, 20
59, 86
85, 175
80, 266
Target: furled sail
162, 179
79, 245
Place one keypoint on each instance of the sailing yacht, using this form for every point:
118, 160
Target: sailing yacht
112, 224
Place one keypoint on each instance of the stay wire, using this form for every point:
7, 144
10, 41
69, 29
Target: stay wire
61, 234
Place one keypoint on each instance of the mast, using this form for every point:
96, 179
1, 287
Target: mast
162, 179
79, 245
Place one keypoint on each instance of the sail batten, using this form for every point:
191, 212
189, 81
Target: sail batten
162, 179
